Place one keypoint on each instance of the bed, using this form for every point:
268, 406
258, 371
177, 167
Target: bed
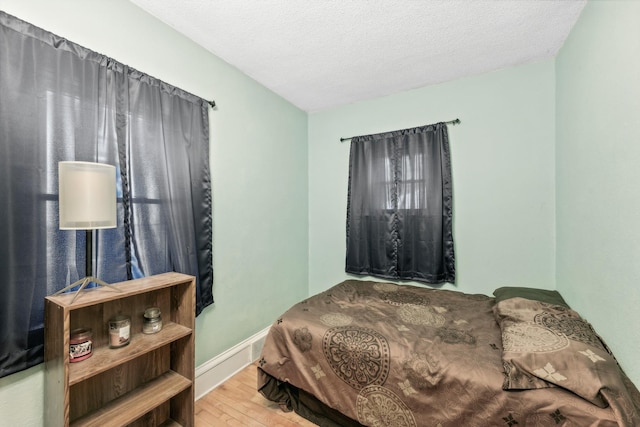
382, 354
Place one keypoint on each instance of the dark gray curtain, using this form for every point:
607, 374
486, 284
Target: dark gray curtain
399, 211
60, 101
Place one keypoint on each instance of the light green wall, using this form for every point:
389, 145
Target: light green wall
259, 175
598, 174
503, 174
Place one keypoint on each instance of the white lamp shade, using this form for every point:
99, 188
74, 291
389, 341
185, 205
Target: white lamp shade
87, 195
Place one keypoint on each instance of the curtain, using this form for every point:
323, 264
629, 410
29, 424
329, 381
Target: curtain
399, 208
60, 101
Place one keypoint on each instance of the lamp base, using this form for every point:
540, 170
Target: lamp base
83, 284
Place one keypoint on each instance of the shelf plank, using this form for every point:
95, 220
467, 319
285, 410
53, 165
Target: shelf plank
124, 289
135, 404
105, 358
170, 423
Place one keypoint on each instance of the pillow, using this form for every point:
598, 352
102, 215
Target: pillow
551, 297
549, 345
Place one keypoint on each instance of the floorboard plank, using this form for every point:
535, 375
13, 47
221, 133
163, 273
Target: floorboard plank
237, 402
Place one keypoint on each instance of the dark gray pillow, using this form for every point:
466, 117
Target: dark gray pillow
544, 295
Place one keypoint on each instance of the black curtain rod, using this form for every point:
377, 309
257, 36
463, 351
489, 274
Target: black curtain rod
450, 122
212, 103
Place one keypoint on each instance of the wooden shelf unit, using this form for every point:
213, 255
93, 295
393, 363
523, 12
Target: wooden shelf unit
150, 381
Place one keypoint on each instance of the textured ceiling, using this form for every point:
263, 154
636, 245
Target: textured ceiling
320, 54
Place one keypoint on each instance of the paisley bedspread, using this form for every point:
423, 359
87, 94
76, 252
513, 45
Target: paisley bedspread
381, 354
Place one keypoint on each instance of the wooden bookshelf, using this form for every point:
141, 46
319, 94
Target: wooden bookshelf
150, 381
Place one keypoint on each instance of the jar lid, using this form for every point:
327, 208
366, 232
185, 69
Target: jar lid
152, 312
81, 333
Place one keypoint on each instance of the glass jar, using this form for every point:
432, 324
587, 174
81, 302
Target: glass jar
152, 321
119, 331
80, 344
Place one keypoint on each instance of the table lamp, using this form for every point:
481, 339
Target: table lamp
87, 201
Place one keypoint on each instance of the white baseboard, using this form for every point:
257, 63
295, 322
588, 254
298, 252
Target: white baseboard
214, 372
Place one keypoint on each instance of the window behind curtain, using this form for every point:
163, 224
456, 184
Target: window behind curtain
60, 101
399, 210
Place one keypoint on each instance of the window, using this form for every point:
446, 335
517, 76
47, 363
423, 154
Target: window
59, 102
399, 210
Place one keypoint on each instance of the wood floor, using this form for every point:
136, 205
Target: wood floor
238, 403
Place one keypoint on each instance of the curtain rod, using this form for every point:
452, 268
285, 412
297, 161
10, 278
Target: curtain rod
450, 122
212, 103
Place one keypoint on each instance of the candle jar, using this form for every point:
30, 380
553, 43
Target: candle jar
152, 321
80, 345
119, 331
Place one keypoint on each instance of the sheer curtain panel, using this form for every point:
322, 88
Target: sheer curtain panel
60, 101
399, 210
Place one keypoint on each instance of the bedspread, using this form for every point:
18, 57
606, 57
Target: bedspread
397, 355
